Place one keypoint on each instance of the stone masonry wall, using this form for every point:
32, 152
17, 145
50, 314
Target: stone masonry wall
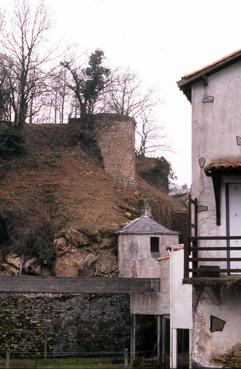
231, 359
115, 135
69, 323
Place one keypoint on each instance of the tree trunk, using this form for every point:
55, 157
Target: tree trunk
22, 113
31, 111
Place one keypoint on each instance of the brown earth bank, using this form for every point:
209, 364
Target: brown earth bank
59, 209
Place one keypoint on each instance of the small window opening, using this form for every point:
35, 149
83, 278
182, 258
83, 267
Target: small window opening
216, 324
154, 244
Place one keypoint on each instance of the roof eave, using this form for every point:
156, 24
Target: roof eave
186, 82
149, 233
187, 90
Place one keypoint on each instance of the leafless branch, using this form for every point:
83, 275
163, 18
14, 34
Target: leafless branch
23, 60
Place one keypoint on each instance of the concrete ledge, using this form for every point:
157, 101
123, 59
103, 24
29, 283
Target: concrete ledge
213, 281
76, 286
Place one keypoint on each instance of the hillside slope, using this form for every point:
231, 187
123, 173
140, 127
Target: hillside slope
59, 209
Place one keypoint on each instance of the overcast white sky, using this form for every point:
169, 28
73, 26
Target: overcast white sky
161, 40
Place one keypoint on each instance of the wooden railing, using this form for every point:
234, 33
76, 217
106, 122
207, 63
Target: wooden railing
193, 262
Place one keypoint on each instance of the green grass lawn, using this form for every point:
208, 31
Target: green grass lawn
63, 363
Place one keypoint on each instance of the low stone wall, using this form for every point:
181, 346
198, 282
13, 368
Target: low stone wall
68, 323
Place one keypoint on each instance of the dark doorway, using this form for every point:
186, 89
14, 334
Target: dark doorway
183, 348
165, 341
146, 335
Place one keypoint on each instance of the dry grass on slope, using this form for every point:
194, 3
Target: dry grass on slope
57, 181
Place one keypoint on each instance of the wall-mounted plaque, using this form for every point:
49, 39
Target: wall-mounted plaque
202, 208
201, 162
238, 140
208, 99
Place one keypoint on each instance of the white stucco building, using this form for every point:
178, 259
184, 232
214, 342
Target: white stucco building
213, 258
146, 249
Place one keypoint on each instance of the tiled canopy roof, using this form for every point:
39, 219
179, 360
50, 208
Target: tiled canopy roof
145, 225
223, 166
215, 170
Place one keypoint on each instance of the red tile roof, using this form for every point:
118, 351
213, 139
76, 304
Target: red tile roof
185, 83
223, 166
215, 63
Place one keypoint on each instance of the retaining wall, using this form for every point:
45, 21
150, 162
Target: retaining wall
69, 323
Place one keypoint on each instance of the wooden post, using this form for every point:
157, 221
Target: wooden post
195, 243
126, 358
163, 338
190, 348
133, 338
158, 338
186, 257
7, 363
45, 349
131, 343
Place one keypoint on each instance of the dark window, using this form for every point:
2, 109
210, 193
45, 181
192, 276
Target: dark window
216, 324
154, 244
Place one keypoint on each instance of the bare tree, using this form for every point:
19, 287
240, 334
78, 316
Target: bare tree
2, 19
59, 92
88, 82
4, 94
125, 95
150, 137
23, 62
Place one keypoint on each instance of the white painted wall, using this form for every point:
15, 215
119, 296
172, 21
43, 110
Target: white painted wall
134, 256
208, 347
214, 130
180, 294
174, 298
135, 260
154, 303
180, 303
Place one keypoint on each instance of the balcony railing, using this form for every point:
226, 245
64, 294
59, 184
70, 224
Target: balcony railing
203, 260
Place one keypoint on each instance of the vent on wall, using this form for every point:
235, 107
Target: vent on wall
208, 99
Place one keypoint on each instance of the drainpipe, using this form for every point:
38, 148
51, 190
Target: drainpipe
173, 331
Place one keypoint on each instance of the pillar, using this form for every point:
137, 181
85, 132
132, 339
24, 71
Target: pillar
163, 334
133, 338
158, 338
190, 348
173, 348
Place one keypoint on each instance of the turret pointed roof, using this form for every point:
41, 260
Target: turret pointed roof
145, 225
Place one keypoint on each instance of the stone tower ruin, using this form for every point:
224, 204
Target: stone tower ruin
115, 136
